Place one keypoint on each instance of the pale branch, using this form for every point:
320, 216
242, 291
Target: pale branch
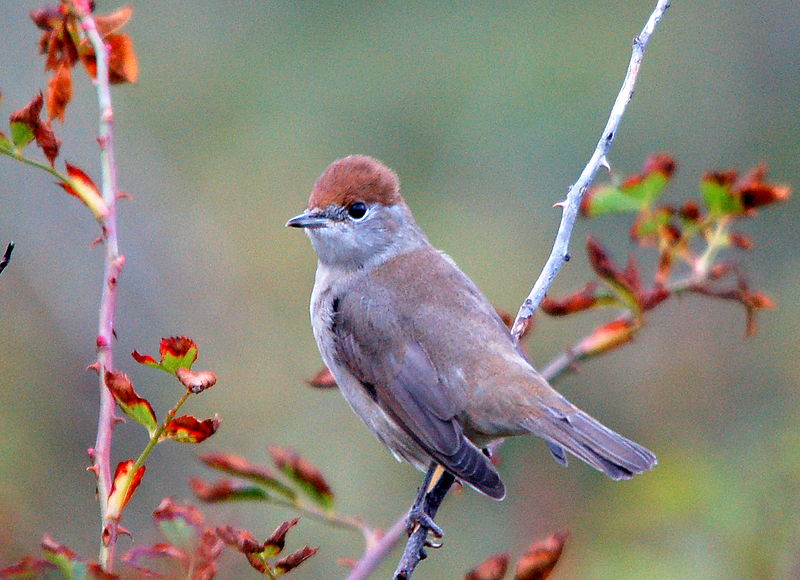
560, 252
378, 551
113, 263
558, 256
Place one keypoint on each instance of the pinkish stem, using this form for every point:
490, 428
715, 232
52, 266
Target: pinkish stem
114, 261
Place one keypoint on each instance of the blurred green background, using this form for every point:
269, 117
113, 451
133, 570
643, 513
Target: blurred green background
487, 111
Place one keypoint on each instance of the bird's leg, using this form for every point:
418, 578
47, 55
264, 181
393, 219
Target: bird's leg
419, 515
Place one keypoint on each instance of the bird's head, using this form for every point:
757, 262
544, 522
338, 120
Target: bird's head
356, 216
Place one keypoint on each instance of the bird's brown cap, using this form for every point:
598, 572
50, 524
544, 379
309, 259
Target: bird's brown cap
355, 178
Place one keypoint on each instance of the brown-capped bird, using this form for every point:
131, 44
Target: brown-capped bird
419, 352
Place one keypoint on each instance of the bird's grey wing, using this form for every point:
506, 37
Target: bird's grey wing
399, 375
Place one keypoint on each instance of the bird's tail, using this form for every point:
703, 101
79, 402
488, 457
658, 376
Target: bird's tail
591, 441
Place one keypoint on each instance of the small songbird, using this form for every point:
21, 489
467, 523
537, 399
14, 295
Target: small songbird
419, 352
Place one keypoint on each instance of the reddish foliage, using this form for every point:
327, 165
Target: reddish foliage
294, 465
323, 379
189, 429
571, 303
196, 382
493, 568
541, 557
294, 559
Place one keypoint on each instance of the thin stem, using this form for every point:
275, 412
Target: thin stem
716, 242
377, 552
560, 252
323, 516
154, 438
43, 166
101, 454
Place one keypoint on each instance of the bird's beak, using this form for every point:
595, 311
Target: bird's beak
308, 219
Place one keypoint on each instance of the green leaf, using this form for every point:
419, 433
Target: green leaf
307, 477
241, 467
188, 429
609, 199
648, 188
718, 197
634, 194
176, 352
648, 224
21, 134
6, 146
132, 405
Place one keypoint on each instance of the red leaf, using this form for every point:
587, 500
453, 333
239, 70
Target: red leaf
323, 380
82, 187
690, 211
178, 347
225, 490
740, 241
27, 569
294, 559
123, 66
541, 557
571, 303
493, 568
135, 556
241, 540
59, 92
237, 465
303, 472
196, 382
603, 266
754, 191
662, 162
111, 23
168, 511
188, 429
176, 352
119, 497
277, 539
607, 337
132, 405
47, 141
65, 559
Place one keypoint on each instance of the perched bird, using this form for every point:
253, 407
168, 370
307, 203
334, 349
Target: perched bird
419, 352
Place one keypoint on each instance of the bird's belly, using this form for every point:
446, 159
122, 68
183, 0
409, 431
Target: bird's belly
402, 446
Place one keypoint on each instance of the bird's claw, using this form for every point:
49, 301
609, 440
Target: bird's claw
419, 518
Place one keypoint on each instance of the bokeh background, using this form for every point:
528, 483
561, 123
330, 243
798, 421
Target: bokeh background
487, 111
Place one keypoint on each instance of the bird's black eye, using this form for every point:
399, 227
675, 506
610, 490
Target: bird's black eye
357, 210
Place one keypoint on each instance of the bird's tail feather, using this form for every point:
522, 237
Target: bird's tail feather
591, 441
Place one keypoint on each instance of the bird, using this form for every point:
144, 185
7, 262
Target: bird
418, 351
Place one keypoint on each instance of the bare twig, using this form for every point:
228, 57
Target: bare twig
377, 552
560, 253
6, 257
558, 256
415, 547
101, 454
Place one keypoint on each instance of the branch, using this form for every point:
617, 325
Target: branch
415, 547
377, 552
6, 257
560, 253
113, 263
558, 256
